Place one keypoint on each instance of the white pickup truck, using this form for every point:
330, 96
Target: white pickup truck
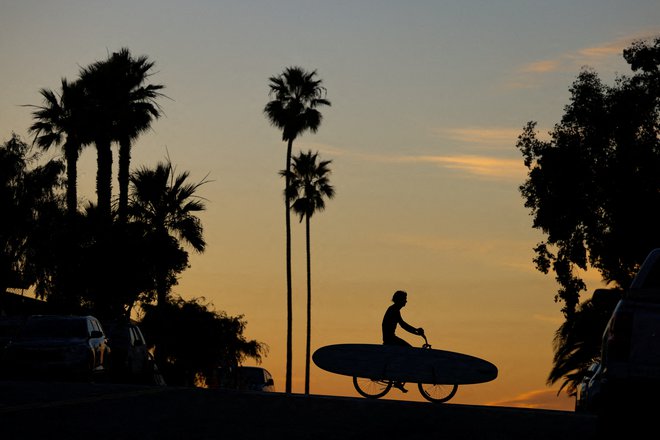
630, 370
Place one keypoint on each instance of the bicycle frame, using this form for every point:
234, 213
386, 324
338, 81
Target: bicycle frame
376, 388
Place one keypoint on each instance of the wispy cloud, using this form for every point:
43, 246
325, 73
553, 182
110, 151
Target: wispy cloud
487, 167
450, 244
574, 60
594, 56
504, 254
596, 53
543, 66
479, 166
482, 136
541, 399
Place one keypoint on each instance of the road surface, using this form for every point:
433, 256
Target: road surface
108, 411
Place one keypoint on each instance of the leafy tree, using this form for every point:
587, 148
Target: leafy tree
59, 254
296, 95
193, 340
79, 260
61, 121
309, 184
593, 189
75, 263
27, 193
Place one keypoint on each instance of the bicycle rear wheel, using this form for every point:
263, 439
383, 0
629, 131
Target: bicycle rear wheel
371, 388
437, 393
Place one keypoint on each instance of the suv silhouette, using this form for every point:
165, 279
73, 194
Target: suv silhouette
630, 371
131, 360
59, 345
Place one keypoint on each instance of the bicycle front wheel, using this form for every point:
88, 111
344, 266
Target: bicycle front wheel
437, 393
371, 388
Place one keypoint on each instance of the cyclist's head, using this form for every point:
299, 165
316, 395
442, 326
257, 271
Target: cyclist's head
400, 297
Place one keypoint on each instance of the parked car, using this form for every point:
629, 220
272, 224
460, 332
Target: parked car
9, 327
45, 345
631, 343
255, 378
245, 378
131, 360
588, 390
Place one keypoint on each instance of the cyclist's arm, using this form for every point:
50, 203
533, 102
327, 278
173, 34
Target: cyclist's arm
407, 327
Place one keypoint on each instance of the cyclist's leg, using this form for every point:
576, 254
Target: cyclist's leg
395, 340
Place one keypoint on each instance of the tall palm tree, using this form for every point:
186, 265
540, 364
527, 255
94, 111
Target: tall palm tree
136, 110
97, 81
61, 121
167, 205
123, 108
309, 184
296, 95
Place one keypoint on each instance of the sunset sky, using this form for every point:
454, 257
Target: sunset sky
428, 98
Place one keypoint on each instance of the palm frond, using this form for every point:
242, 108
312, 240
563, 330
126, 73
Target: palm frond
309, 184
296, 95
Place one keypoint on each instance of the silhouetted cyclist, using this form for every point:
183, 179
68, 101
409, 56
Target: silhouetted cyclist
393, 318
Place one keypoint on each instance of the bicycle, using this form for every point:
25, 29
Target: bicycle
374, 388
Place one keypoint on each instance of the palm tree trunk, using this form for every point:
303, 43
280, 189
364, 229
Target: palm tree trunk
71, 152
124, 169
163, 287
289, 294
309, 303
161, 290
104, 178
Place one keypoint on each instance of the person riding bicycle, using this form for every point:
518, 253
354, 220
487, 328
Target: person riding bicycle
393, 318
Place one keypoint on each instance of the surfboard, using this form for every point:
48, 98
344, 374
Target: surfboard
405, 364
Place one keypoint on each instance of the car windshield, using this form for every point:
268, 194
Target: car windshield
55, 328
252, 375
117, 332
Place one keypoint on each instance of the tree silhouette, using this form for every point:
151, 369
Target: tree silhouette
61, 121
193, 339
136, 108
594, 188
120, 107
574, 340
96, 80
309, 184
27, 191
297, 93
167, 206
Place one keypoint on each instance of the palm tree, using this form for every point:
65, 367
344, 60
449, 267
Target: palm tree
97, 81
137, 109
122, 107
167, 206
578, 340
297, 93
308, 186
60, 121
